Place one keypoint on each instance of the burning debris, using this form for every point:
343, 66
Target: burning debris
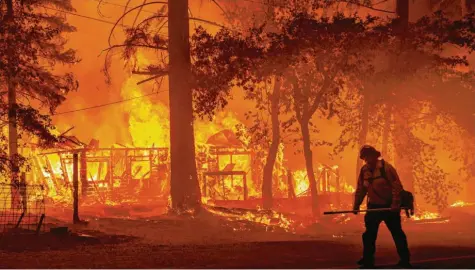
461, 204
271, 220
429, 217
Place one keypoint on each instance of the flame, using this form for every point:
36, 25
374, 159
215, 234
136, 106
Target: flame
270, 219
427, 216
148, 126
461, 204
301, 182
148, 121
348, 188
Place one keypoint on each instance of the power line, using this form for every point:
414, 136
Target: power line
90, 18
79, 15
111, 103
151, 12
119, 5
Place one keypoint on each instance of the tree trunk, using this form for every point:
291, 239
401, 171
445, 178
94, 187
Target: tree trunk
363, 132
402, 134
402, 12
274, 147
9, 8
185, 191
386, 130
13, 142
290, 185
463, 9
304, 125
12, 120
402, 157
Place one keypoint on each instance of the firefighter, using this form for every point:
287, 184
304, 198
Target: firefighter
380, 181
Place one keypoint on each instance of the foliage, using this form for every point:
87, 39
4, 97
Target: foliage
421, 74
33, 45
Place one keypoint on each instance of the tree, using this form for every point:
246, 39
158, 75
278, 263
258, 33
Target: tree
265, 137
185, 189
33, 46
145, 35
336, 59
315, 56
268, 102
274, 147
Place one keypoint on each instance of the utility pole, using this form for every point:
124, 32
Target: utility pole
403, 133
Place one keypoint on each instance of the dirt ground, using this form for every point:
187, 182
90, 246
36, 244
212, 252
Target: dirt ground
210, 241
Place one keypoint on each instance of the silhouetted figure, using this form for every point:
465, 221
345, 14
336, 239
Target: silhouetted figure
380, 181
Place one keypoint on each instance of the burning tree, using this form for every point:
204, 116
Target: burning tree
316, 57
336, 58
266, 138
32, 45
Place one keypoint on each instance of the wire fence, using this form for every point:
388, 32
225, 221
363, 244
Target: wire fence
22, 206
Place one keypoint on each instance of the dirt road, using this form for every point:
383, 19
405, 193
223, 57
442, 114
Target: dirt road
305, 254
216, 243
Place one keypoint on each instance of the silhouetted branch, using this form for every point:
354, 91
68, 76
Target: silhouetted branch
135, 45
151, 78
129, 11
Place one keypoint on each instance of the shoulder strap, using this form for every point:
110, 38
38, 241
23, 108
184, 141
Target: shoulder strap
384, 176
383, 170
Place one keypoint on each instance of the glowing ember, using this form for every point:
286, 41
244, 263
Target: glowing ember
342, 219
461, 204
427, 216
270, 219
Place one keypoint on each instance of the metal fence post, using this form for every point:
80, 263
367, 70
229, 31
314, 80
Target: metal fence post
75, 188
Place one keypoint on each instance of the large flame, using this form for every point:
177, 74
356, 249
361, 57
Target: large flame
149, 123
302, 183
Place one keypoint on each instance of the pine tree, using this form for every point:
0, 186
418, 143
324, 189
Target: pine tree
145, 35
32, 43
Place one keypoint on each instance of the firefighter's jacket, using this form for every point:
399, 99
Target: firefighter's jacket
380, 191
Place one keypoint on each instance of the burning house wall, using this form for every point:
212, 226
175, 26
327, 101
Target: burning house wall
109, 174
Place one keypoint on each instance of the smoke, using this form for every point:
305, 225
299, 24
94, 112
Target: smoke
144, 121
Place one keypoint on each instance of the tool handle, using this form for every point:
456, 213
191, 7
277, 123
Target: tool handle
360, 211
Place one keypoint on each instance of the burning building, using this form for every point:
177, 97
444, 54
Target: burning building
229, 173
107, 175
